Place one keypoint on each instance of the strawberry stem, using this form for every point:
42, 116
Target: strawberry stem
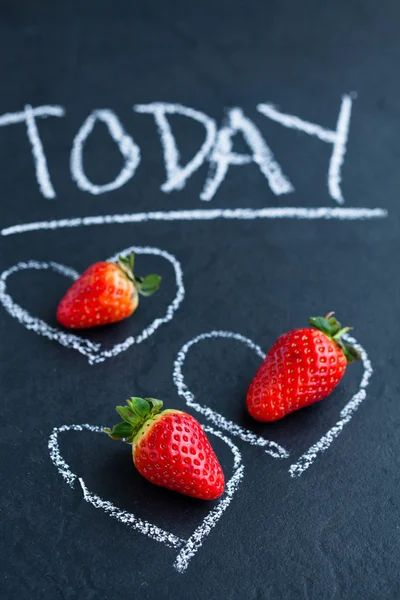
331, 327
126, 264
146, 286
341, 332
134, 415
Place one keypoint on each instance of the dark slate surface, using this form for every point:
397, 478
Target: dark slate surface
332, 532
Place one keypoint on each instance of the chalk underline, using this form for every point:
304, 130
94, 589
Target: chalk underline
285, 212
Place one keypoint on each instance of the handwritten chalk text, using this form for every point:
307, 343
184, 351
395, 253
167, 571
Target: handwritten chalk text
216, 149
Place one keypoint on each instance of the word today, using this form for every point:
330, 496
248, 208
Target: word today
216, 149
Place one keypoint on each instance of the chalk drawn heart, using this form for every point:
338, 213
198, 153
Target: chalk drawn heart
271, 448
187, 548
91, 350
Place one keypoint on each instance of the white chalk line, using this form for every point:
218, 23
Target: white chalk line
127, 147
39, 111
222, 156
338, 138
92, 351
188, 547
28, 117
271, 448
307, 459
39, 157
286, 212
153, 532
177, 175
339, 150
292, 122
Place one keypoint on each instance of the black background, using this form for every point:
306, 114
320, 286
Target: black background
333, 532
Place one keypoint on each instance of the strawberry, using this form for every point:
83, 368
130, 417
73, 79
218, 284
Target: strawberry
106, 292
169, 448
302, 367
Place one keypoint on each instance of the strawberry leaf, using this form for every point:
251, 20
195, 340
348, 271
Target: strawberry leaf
128, 415
351, 353
334, 325
148, 285
331, 327
156, 405
139, 406
121, 431
134, 415
321, 324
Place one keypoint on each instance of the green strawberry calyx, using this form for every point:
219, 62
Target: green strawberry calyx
134, 415
146, 286
331, 327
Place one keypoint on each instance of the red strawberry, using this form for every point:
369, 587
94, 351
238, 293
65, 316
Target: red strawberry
169, 448
106, 292
302, 367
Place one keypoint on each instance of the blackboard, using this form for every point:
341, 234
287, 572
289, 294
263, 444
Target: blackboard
249, 152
